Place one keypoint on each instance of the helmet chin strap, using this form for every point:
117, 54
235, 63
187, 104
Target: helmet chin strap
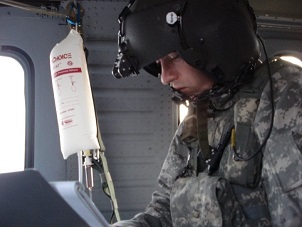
180, 98
217, 90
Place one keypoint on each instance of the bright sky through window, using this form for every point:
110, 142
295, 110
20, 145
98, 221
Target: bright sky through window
293, 60
183, 111
12, 115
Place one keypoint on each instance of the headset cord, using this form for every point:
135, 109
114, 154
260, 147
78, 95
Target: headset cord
272, 112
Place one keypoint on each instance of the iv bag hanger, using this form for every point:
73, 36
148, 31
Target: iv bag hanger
74, 16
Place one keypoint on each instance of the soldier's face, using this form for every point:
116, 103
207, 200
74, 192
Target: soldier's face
182, 76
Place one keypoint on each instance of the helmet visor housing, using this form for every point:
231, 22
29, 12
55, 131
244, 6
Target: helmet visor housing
217, 37
143, 37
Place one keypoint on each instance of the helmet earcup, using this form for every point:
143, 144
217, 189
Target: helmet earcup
221, 35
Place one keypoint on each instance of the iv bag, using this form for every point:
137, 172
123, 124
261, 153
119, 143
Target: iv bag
73, 97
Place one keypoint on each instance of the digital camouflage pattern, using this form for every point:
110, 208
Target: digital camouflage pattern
282, 161
264, 191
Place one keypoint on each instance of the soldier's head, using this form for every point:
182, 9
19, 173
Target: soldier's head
215, 38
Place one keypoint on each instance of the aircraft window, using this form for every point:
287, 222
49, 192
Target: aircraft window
12, 115
182, 112
292, 59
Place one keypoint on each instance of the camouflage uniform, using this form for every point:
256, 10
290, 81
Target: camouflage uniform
264, 191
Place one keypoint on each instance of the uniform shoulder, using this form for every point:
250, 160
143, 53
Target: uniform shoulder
286, 78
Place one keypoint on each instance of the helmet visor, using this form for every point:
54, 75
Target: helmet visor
146, 36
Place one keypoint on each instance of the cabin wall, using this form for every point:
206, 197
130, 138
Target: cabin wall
281, 36
136, 116
36, 35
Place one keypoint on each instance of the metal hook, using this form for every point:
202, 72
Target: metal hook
74, 14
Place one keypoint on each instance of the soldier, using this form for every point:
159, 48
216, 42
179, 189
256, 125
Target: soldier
236, 159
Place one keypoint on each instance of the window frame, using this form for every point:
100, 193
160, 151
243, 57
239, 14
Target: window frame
29, 89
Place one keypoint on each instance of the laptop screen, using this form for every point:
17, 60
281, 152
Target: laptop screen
27, 199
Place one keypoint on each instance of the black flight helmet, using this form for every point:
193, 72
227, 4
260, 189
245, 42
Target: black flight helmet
217, 37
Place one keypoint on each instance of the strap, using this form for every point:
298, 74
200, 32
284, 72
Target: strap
213, 163
202, 128
253, 90
108, 187
261, 76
